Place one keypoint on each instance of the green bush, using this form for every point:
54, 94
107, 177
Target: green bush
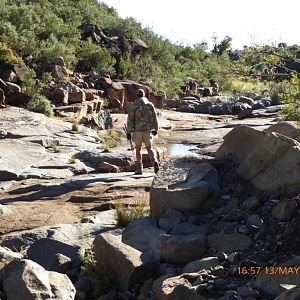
8, 55
40, 104
291, 98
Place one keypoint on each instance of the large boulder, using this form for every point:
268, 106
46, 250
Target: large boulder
240, 141
149, 244
292, 294
26, 280
288, 129
185, 185
120, 261
273, 166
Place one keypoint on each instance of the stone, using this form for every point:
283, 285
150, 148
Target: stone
106, 167
27, 280
246, 100
204, 263
285, 210
16, 156
276, 155
167, 224
59, 95
80, 234
190, 247
149, 244
44, 252
229, 243
239, 142
291, 294
255, 220
285, 128
121, 261
250, 203
59, 72
192, 180
187, 228
245, 113
59, 60
13, 87
273, 284
175, 288
59, 263
6, 257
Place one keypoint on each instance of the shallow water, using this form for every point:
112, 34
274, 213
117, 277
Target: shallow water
178, 149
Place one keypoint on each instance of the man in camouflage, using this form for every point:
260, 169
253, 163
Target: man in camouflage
142, 124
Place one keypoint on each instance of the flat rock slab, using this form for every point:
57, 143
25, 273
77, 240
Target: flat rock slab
16, 156
185, 185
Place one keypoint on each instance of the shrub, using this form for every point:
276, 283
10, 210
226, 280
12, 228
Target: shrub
75, 126
8, 55
128, 213
291, 98
40, 104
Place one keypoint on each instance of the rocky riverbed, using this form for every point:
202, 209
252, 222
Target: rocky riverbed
230, 208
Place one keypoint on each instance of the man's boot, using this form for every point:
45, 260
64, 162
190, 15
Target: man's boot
138, 168
156, 166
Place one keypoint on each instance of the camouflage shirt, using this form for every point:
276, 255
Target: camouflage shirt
142, 116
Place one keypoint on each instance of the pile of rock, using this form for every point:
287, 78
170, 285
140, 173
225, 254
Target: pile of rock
220, 105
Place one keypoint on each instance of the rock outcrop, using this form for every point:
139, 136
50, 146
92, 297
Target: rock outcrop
185, 185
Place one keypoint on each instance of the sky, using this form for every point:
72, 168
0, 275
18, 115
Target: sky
247, 22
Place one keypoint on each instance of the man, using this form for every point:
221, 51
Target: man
142, 123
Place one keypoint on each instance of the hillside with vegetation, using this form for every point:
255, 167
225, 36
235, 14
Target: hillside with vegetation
36, 31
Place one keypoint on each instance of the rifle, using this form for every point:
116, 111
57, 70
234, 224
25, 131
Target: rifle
130, 141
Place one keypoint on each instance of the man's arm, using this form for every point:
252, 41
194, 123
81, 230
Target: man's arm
130, 119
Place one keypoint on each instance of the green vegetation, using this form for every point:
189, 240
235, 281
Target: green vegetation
40, 104
110, 139
128, 213
291, 97
37, 31
75, 126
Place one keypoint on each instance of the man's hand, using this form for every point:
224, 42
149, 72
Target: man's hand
154, 132
128, 135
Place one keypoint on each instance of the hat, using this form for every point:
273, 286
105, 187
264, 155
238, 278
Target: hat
140, 93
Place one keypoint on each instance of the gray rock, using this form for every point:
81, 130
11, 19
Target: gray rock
198, 265
59, 60
246, 100
120, 261
44, 252
284, 210
240, 141
291, 294
80, 235
190, 247
246, 113
276, 155
288, 129
27, 280
192, 180
255, 220
271, 284
149, 244
187, 228
174, 288
229, 243
250, 203
167, 224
